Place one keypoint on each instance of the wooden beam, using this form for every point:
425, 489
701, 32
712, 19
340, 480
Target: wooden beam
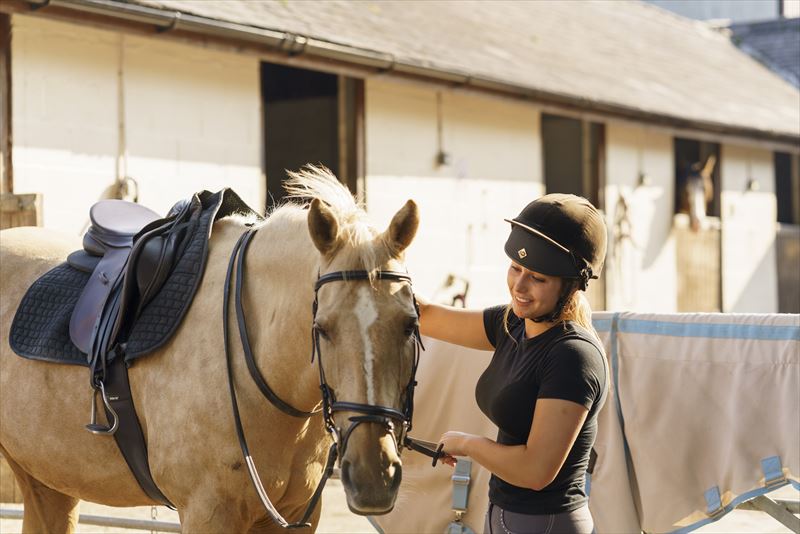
20, 210
6, 174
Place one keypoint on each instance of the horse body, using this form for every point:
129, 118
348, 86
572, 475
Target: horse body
182, 398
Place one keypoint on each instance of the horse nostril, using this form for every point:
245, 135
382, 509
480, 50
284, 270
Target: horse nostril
398, 475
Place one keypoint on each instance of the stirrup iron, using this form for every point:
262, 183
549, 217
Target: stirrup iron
94, 427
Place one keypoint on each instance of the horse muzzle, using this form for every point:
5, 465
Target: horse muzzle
371, 471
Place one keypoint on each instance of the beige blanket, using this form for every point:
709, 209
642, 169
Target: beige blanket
704, 413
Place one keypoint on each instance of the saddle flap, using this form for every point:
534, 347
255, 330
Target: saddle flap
89, 308
83, 261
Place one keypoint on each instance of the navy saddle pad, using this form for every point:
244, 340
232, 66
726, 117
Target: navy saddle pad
40, 330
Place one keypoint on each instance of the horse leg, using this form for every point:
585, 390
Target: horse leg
46, 510
266, 525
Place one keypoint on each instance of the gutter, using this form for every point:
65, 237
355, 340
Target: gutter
380, 62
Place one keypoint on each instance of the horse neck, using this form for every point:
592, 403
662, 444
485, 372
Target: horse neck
282, 265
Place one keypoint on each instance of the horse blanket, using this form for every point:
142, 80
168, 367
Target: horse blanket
702, 415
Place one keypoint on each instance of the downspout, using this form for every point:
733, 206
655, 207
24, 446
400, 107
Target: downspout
122, 148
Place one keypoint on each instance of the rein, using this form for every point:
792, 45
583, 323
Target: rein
369, 413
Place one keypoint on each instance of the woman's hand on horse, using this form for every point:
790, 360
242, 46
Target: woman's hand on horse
422, 303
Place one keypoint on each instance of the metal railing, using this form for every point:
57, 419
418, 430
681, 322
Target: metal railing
105, 521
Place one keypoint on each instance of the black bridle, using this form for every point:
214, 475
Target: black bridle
368, 413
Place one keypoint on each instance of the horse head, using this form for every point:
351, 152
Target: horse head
697, 190
366, 338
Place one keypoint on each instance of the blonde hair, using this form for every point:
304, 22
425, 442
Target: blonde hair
576, 309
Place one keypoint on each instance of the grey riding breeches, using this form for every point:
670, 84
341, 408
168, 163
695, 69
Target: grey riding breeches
499, 521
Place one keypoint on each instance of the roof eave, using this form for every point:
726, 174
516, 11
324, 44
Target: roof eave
294, 44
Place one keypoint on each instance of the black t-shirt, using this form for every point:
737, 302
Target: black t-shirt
565, 362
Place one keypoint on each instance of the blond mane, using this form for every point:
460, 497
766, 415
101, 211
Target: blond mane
356, 237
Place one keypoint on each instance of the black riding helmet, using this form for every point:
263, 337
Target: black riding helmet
559, 235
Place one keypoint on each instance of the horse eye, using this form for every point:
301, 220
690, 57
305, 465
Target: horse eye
411, 328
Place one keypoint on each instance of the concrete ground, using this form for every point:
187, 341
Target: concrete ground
337, 519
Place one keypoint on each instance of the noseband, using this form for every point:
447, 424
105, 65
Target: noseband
369, 413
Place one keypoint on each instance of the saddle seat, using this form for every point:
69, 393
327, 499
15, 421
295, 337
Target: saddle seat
129, 250
114, 223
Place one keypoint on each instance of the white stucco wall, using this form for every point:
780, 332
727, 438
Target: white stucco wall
640, 269
749, 265
496, 170
192, 118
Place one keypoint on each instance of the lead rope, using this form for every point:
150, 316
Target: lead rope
238, 256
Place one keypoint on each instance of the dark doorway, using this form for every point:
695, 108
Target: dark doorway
696, 225
310, 117
787, 241
573, 157
691, 153
787, 189
574, 162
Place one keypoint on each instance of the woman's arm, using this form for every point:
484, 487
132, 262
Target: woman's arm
454, 325
556, 424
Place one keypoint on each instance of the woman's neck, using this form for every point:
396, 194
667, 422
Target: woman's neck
533, 329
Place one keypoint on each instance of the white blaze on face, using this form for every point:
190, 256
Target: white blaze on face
367, 314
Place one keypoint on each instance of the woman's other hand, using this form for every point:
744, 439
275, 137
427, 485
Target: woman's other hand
456, 443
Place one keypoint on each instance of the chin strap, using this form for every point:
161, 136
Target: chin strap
562, 301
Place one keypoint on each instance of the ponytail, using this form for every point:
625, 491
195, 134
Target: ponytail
577, 310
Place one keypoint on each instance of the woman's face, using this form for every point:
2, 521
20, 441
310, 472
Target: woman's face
532, 294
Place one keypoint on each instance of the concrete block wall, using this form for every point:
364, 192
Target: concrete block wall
641, 262
749, 215
495, 169
191, 118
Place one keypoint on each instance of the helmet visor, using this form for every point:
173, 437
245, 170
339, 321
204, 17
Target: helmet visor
536, 252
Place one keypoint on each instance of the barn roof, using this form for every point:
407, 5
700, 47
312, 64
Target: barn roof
628, 59
775, 43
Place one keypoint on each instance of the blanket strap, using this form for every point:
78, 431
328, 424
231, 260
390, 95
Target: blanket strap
773, 471
713, 501
461, 480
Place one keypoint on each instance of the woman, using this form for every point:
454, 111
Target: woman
548, 377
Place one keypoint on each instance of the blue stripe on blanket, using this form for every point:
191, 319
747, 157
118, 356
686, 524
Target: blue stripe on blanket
708, 330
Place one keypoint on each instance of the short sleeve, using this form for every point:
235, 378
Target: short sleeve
493, 323
574, 371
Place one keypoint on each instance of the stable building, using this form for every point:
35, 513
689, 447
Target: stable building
471, 109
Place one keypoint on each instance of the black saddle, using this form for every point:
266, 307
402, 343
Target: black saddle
129, 251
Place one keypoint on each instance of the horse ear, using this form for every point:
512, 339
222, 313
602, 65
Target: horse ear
323, 226
708, 168
403, 227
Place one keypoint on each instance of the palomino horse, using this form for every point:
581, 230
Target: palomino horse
696, 190
366, 329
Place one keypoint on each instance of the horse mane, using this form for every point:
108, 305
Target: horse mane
357, 244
